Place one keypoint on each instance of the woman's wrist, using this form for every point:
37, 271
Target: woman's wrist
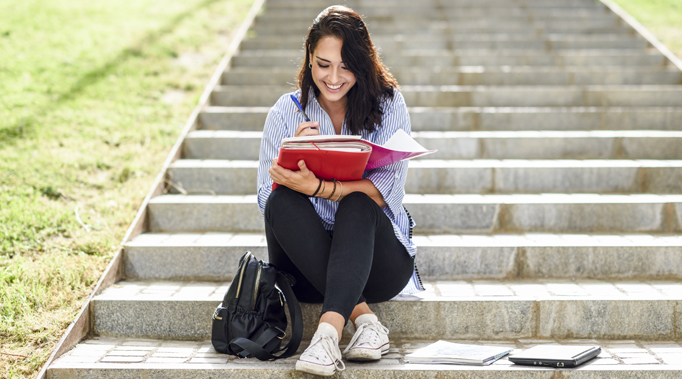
319, 185
320, 193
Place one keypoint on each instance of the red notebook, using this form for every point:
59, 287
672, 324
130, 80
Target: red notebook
346, 157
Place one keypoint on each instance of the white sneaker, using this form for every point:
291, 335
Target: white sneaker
323, 356
370, 340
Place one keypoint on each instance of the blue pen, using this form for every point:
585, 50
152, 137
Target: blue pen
305, 116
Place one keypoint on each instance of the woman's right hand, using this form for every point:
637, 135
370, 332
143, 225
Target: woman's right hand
308, 128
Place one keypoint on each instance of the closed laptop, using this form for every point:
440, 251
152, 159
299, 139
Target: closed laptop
556, 355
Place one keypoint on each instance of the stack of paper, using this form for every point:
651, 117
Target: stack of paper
457, 353
399, 147
348, 146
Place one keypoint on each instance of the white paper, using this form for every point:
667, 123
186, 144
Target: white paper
401, 141
456, 353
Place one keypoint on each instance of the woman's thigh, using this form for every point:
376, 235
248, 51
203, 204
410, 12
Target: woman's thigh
297, 242
360, 221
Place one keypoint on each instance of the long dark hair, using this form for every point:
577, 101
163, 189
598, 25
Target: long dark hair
373, 81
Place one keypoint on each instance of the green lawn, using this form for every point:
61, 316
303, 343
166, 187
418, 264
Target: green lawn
663, 18
92, 96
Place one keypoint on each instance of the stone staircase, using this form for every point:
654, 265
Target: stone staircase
551, 213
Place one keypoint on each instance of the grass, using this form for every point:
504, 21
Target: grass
92, 100
663, 18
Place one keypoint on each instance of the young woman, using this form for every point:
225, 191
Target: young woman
346, 243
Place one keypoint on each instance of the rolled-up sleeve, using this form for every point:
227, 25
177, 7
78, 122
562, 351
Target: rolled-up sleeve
390, 180
274, 132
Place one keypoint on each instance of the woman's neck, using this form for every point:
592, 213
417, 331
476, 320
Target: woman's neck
333, 106
336, 111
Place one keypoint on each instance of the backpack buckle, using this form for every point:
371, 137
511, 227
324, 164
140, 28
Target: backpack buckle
284, 334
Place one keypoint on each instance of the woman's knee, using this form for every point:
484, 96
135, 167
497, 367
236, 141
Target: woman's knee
356, 204
359, 199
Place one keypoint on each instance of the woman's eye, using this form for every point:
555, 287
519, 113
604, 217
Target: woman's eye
322, 66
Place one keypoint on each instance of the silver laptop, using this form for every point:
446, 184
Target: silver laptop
556, 355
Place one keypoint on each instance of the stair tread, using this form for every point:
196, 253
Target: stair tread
543, 198
503, 109
424, 240
143, 354
480, 134
480, 69
436, 290
467, 163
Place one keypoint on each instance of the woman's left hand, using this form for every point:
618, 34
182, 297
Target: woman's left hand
303, 180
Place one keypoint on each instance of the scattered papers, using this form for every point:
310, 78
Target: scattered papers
457, 353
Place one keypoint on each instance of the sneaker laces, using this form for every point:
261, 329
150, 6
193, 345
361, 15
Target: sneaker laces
329, 346
370, 326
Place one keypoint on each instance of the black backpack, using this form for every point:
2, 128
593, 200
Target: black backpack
251, 322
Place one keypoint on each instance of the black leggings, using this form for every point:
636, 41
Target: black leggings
361, 261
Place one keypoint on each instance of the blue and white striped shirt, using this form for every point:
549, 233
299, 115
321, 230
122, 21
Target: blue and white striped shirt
282, 121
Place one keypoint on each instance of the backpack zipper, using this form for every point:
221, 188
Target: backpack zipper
255, 292
247, 256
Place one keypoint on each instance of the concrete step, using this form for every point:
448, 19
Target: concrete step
489, 24
639, 96
421, 40
236, 145
485, 118
475, 213
274, 4
422, 15
483, 96
489, 59
449, 10
104, 357
476, 75
444, 28
391, 16
466, 42
486, 310
214, 256
433, 176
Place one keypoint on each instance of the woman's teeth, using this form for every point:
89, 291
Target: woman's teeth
333, 87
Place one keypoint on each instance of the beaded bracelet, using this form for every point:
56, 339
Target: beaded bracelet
317, 190
334, 190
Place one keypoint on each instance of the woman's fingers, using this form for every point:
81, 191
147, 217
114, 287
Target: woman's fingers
300, 180
279, 174
309, 128
303, 167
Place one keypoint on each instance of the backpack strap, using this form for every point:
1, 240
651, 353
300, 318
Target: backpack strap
255, 348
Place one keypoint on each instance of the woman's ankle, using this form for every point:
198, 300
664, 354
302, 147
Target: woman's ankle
335, 319
359, 310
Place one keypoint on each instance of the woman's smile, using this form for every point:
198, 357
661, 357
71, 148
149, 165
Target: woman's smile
333, 88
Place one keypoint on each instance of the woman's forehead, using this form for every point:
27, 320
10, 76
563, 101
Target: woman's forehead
329, 49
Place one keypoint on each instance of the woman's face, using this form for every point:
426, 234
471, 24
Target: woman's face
329, 73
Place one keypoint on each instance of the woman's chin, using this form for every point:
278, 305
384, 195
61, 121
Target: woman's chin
333, 96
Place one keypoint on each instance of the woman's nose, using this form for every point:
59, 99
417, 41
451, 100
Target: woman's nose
335, 75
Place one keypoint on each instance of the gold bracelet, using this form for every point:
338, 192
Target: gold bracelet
340, 193
324, 187
334, 190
